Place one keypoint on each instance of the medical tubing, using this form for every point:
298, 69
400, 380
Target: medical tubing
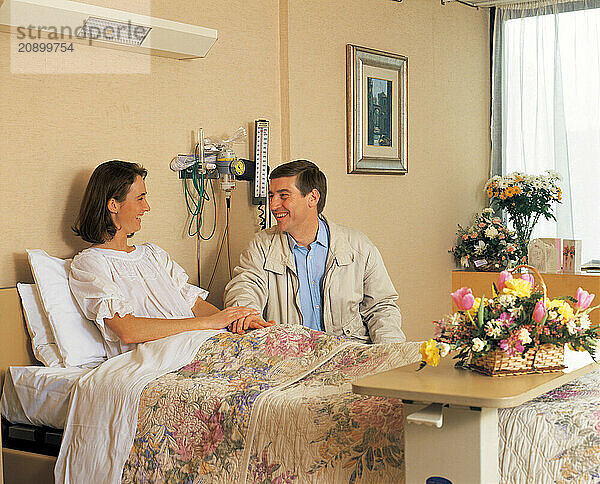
262, 216
212, 190
196, 207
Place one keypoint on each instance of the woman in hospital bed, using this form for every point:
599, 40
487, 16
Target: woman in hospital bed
136, 293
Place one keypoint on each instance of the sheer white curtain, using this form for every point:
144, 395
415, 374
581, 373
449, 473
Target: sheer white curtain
546, 108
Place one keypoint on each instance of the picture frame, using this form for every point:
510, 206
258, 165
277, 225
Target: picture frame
377, 111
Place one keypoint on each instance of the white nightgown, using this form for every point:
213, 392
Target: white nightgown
145, 283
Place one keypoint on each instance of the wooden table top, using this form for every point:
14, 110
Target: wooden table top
457, 386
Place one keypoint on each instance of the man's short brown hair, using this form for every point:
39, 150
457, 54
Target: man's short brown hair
309, 177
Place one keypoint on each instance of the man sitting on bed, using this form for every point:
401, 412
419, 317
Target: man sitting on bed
308, 270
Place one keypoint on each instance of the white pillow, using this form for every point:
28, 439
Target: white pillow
78, 339
42, 339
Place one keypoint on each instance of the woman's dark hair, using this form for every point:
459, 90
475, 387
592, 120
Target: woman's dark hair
111, 179
309, 177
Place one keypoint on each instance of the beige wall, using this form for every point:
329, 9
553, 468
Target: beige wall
55, 128
412, 219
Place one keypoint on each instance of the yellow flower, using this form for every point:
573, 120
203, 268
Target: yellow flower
517, 287
475, 307
430, 352
563, 308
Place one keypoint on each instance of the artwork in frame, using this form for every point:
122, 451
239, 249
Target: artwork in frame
377, 113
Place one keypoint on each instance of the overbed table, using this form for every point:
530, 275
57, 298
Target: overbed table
458, 438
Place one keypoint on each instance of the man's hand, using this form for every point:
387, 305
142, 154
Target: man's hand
252, 321
230, 315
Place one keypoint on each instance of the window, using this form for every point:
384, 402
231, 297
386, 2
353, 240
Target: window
547, 109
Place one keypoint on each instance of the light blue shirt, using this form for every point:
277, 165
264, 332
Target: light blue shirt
310, 267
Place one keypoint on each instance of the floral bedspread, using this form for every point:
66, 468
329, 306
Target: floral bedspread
554, 438
272, 406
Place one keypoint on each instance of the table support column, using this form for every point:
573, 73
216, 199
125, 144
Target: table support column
464, 450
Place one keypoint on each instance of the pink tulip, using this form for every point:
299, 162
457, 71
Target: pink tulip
504, 276
539, 312
584, 299
529, 278
463, 298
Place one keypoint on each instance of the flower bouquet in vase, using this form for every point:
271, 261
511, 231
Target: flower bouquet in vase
525, 198
518, 330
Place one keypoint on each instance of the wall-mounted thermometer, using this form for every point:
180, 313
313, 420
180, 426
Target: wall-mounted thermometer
261, 181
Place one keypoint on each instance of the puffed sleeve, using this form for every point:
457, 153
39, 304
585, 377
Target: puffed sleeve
189, 292
96, 293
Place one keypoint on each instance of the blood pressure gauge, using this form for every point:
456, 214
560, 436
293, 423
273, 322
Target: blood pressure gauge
238, 168
242, 169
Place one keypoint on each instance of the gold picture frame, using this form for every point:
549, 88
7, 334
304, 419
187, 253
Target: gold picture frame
377, 115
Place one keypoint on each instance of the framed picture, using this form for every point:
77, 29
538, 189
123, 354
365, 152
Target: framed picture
377, 111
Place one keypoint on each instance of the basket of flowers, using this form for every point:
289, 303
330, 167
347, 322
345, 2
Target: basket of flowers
487, 245
518, 330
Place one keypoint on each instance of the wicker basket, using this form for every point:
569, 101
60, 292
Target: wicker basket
539, 359
489, 267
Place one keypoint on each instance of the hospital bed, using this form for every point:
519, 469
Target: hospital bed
275, 404
15, 349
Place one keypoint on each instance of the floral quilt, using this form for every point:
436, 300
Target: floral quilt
554, 438
272, 406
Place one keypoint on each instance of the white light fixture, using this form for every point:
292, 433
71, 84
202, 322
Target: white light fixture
113, 31
65, 20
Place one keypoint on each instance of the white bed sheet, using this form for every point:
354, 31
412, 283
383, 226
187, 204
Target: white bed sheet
38, 395
94, 450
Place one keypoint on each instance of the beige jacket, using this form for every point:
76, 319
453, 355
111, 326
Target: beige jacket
358, 295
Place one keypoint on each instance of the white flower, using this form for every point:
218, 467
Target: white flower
516, 312
571, 326
464, 261
554, 175
444, 349
493, 328
491, 232
524, 336
480, 247
478, 344
488, 210
453, 319
506, 299
584, 321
